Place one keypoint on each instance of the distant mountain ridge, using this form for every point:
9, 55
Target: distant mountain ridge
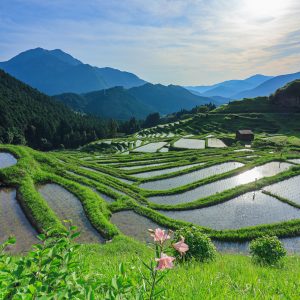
54, 72
285, 100
228, 88
122, 104
268, 87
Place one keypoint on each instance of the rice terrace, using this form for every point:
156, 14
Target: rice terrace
182, 182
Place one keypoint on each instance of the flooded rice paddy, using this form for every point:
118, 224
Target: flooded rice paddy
134, 225
7, 160
150, 148
165, 171
266, 170
105, 197
104, 174
143, 166
190, 144
184, 179
68, 207
13, 222
246, 210
291, 244
295, 160
215, 143
288, 189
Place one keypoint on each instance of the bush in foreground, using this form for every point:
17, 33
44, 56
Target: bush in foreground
201, 247
267, 250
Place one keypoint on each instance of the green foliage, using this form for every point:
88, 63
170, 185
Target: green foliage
151, 120
267, 250
200, 245
31, 117
50, 270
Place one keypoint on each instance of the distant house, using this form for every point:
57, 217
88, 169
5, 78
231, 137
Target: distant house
245, 135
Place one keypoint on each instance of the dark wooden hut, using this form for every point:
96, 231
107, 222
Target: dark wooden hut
245, 135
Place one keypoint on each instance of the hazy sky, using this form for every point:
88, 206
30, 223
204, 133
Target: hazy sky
188, 42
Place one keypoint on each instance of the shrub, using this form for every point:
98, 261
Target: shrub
267, 250
193, 158
200, 245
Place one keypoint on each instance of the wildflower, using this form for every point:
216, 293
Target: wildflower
181, 246
159, 235
165, 262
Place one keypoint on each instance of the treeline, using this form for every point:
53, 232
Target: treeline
30, 117
153, 119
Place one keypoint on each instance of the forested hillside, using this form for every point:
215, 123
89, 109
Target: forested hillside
122, 104
30, 117
116, 103
284, 100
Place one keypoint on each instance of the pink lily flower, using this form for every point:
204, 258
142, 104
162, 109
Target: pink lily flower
181, 246
159, 235
165, 262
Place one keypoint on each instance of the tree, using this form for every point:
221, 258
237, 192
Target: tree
112, 128
152, 120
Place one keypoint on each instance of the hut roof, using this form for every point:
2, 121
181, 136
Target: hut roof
245, 131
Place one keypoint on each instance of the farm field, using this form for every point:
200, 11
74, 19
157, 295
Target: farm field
225, 192
233, 194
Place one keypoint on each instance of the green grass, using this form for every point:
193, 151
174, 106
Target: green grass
230, 276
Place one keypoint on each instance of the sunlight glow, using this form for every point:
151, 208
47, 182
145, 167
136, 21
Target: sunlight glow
249, 176
265, 8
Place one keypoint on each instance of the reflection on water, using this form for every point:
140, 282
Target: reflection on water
266, 170
246, 210
13, 222
143, 166
165, 171
289, 189
104, 174
292, 245
7, 160
134, 225
104, 196
180, 180
68, 207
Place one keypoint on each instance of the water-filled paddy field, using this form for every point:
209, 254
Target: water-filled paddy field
288, 189
151, 147
266, 170
165, 171
7, 160
291, 244
215, 143
295, 160
164, 184
134, 225
13, 222
190, 144
141, 167
68, 207
191, 172
250, 209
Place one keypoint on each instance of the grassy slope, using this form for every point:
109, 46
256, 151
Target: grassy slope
231, 276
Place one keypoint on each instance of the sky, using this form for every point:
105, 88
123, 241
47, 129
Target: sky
186, 42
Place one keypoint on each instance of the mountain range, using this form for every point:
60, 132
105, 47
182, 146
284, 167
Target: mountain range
122, 104
54, 72
111, 93
254, 86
